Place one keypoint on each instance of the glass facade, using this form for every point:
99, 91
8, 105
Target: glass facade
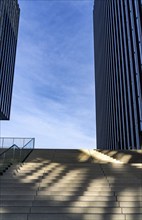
9, 22
118, 73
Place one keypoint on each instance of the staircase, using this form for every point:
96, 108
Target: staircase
71, 185
4, 166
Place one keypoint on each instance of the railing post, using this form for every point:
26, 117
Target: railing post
13, 153
33, 143
20, 154
13, 141
23, 142
4, 157
2, 142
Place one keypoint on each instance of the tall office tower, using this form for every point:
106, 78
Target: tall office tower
118, 73
9, 22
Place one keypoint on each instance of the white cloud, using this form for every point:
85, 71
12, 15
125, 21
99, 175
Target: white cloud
50, 130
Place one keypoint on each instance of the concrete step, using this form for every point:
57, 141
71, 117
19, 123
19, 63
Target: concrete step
135, 210
18, 188
15, 210
75, 210
68, 191
10, 186
129, 194
74, 198
61, 187
133, 216
130, 204
126, 182
17, 203
17, 197
18, 192
126, 201
68, 217
12, 216
36, 191
75, 189
77, 193
64, 210
73, 183
15, 181
76, 216
75, 203
129, 198
18, 184
44, 203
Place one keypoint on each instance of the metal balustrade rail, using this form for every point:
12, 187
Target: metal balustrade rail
6, 142
14, 153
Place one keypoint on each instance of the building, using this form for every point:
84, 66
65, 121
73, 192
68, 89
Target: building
9, 22
118, 73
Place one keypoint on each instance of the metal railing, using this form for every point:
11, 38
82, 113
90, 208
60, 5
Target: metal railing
15, 149
6, 142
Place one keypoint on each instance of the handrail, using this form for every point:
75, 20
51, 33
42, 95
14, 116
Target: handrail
32, 139
17, 153
14, 145
6, 142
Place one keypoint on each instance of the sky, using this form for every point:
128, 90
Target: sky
54, 93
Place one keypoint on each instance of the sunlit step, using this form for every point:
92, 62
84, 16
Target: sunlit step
16, 180
129, 193
131, 204
77, 193
130, 198
75, 189
132, 210
74, 182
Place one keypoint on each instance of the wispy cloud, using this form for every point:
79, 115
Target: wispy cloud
53, 97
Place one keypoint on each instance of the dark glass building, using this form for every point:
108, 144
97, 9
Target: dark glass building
9, 22
118, 73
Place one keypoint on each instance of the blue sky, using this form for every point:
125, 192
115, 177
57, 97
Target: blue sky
53, 95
